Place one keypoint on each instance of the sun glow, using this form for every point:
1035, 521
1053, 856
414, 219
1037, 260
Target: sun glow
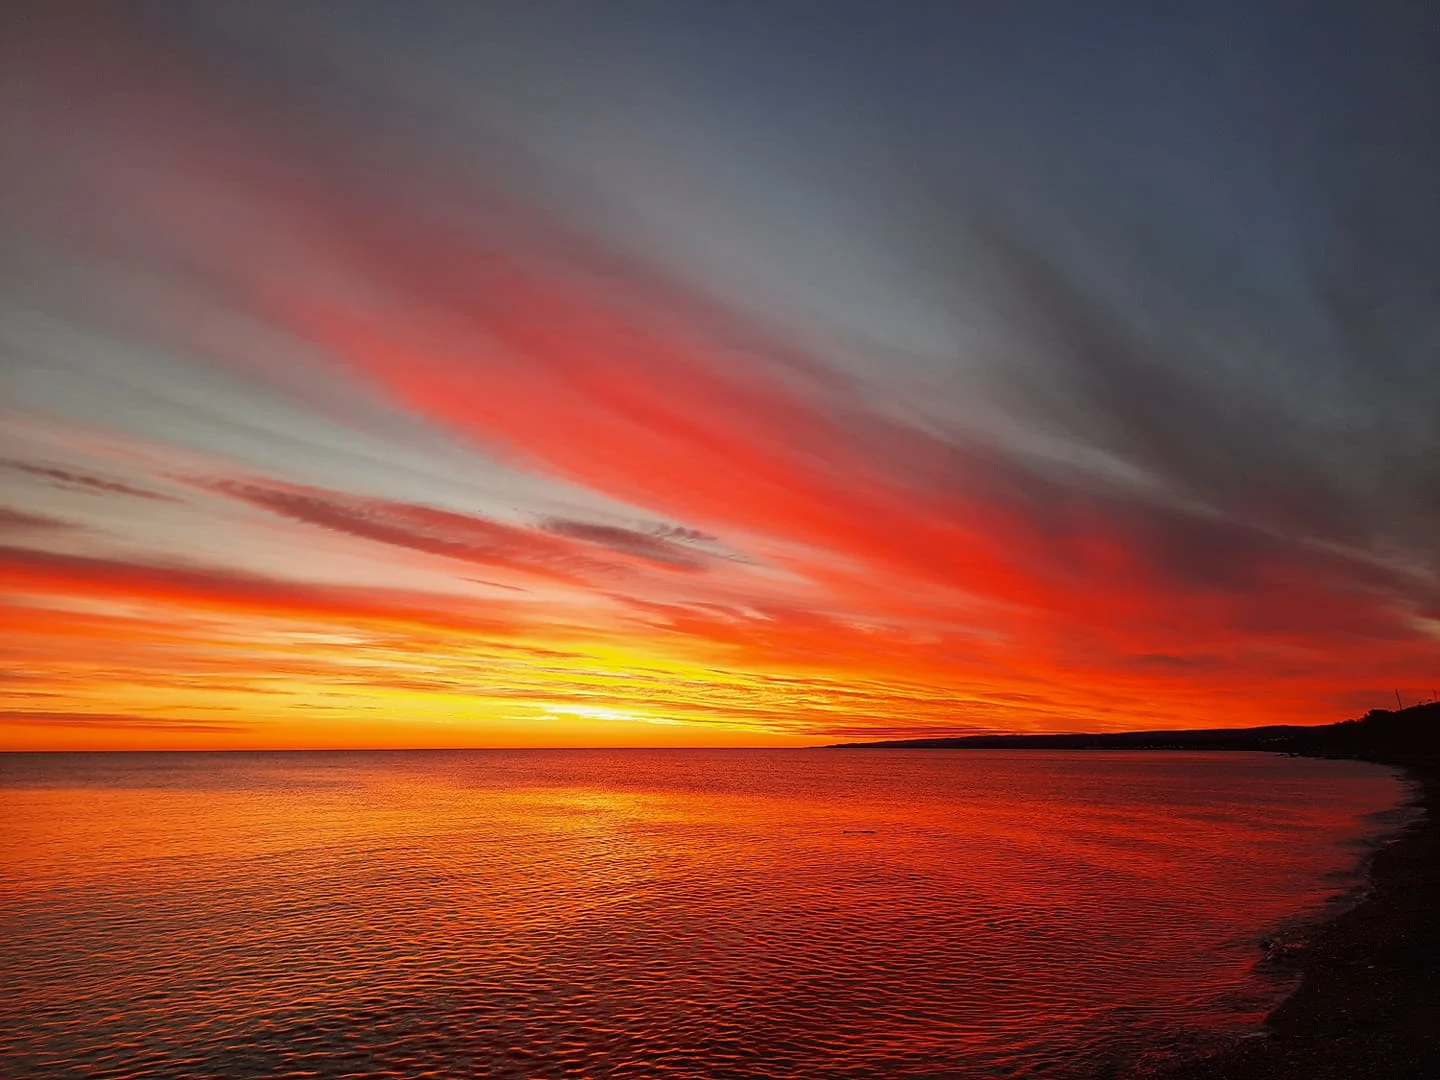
599, 712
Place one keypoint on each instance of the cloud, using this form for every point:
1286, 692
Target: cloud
70, 480
26, 571
1147, 466
656, 548
561, 551
117, 721
12, 520
419, 528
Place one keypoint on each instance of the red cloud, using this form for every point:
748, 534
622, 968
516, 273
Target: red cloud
24, 571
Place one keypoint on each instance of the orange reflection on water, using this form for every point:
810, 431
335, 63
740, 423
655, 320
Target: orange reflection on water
642, 913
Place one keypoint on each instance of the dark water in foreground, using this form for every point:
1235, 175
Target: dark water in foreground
652, 913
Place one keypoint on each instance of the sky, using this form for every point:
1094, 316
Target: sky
405, 374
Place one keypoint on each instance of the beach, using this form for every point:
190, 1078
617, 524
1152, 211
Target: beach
1368, 1004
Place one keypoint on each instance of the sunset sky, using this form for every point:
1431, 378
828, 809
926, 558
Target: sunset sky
397, 374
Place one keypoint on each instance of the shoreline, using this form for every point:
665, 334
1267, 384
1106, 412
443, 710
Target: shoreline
1368, 1002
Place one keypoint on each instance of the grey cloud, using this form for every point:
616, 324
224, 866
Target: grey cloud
12, 520
71, 480
648, 546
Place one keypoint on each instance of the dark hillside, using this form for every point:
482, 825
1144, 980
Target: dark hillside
1381, 734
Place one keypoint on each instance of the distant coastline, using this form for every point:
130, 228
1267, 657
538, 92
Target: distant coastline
1368, 1004
1401, 736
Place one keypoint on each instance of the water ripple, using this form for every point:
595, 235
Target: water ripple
649, 913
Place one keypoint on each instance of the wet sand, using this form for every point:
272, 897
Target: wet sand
1368, 1006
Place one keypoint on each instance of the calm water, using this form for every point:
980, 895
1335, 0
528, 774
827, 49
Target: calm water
653, 913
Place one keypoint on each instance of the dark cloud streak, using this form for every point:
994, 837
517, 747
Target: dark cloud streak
70, 480
117, 721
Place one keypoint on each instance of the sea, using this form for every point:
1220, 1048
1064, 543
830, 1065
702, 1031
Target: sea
660, 913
